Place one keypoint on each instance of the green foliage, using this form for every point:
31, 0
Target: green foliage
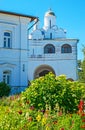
82, 72
51, 90
81, 64
4, 89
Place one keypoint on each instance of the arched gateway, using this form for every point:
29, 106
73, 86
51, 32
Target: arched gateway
42, 70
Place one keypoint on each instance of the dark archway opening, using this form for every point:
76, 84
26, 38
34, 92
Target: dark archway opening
43, 73
42, 70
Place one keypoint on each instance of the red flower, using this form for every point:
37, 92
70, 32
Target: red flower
62, 129
83, 114
81, 105
83, 120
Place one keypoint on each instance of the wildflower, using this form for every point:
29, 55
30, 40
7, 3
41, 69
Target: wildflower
43, 111
38, 118
83, 120
30, 119
60, 113
43, 121
27, 102
47, 128
32, 108
55, 122
83, 126
62, 129
81, 105
20, 112
83, 114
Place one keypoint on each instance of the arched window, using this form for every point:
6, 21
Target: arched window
6, 77
66, 48
7, 39
49, 48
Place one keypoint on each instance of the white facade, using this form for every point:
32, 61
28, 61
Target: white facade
47, 49
13, 49
50, 50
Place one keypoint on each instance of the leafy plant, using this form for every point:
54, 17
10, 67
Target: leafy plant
4, 89
51, 90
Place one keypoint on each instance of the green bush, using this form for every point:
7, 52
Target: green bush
4, 89
51, 90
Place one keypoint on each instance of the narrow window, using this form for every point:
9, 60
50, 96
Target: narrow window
7, 39
50, 23
50, 35
6, 77
23, 67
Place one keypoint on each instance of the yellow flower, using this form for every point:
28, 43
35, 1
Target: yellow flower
43, 121
38, 118
47, 128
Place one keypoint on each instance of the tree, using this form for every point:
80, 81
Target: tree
81, 73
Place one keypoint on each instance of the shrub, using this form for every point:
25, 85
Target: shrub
4, 89
51, 90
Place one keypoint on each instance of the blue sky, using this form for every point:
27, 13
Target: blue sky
70, 15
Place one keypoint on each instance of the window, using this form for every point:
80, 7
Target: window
6, 77
49, 49
50, 35
7, 39
50, 23
66, 48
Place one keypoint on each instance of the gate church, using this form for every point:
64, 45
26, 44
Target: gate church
24, 57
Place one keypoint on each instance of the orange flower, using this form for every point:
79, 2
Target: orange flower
83, 126
30, 119
20, 112
55, 122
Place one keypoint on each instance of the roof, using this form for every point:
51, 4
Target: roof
18, 14
50, 12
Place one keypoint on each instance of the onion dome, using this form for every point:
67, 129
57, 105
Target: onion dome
50, 13
49, 19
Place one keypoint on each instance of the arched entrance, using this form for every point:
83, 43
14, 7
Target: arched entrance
42, 71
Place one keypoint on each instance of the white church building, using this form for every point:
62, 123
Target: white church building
26, 55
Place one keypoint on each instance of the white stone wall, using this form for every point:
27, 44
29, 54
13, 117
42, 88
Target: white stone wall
62, 63
15, 58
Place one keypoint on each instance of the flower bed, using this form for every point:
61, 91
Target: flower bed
50, 103
17, 115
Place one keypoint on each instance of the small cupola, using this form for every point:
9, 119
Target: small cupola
50, 13
49, 19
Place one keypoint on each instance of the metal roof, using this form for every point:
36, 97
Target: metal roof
18, 14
